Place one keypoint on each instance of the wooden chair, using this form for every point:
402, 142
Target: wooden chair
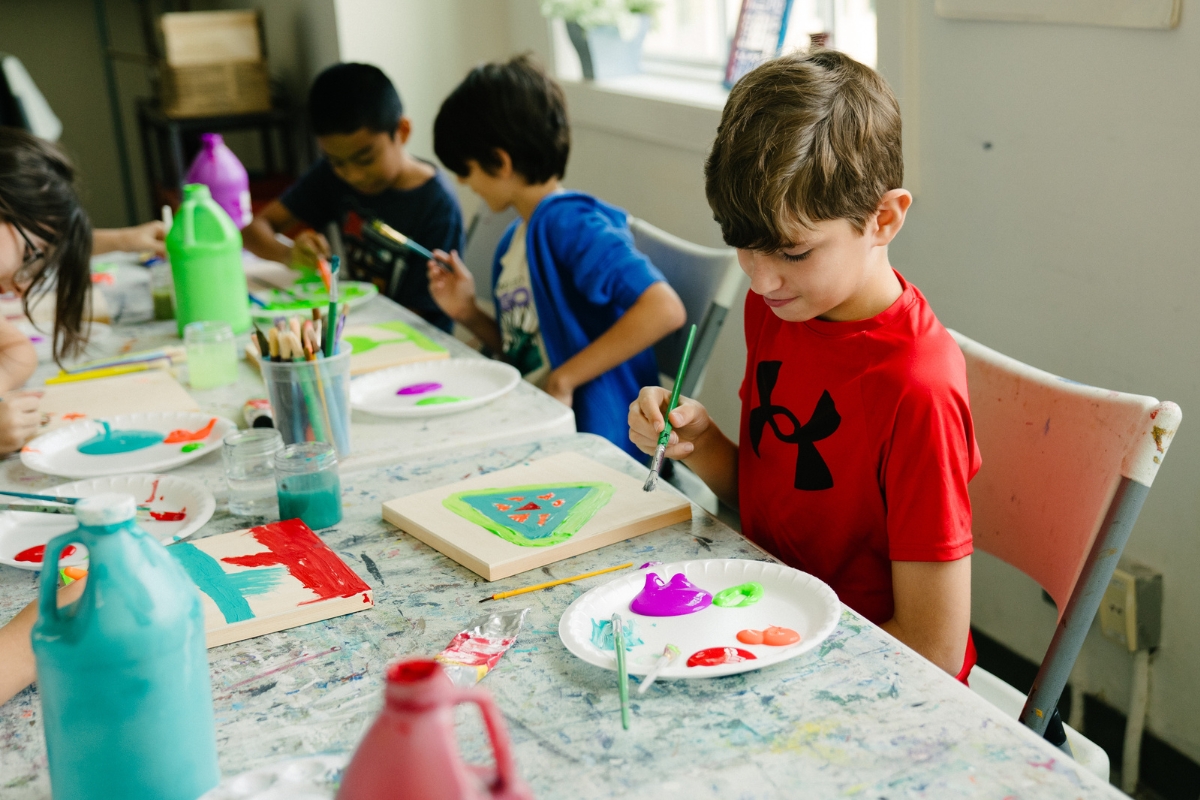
707, 280
1066, 468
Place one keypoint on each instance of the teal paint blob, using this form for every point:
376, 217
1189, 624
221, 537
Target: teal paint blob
602, 635
209, 578
438, 400
189, 447
112, 443
542, 514
253, 582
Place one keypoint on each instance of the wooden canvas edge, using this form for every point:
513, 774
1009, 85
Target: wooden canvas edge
426, 536
428, 355
297, 617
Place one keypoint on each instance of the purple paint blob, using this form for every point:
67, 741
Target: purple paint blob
679, 596
418, 388
650, 564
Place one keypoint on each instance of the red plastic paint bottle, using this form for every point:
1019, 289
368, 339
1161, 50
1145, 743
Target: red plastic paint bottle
411, 751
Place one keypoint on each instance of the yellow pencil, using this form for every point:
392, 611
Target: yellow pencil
548, 584
108, 372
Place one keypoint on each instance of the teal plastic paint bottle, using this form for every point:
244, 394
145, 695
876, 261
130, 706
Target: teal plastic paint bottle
123, 672
205, 249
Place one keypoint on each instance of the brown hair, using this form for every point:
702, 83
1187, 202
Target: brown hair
37, 194
803, 138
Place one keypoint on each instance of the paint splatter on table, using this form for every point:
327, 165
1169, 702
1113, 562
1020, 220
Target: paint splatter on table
860, 716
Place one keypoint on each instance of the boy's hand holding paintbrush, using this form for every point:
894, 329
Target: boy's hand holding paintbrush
694, 439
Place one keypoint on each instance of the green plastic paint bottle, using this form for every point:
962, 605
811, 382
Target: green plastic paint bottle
205, 249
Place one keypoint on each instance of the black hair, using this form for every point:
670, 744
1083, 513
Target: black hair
515, 107
347, 97
37, 194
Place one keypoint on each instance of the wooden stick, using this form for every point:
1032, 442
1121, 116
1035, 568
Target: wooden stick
548, 584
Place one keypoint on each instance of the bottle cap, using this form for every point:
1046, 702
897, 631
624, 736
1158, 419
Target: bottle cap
110, 508
196, 191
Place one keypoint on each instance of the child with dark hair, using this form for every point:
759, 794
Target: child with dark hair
45, 244
579, 307
856, 441
365, 174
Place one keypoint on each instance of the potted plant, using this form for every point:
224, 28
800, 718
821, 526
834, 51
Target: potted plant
607, 34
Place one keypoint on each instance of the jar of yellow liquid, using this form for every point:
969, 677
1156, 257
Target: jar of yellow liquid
211, 354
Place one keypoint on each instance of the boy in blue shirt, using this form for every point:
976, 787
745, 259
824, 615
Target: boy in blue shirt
365, 174
579, 307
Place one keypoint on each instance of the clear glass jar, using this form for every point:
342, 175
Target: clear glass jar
249, 458
211, 353
308, 485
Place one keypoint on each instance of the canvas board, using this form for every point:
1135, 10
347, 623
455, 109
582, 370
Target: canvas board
469, 522
379, 346
268, 579
152, 390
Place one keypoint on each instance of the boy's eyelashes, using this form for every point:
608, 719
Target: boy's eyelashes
795, 256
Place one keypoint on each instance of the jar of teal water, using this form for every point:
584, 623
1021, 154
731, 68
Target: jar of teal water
307, 482
123, 672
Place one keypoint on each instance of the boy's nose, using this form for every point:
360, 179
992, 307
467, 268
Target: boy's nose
762, 278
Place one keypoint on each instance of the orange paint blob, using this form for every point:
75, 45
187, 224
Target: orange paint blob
773, 636
180, 436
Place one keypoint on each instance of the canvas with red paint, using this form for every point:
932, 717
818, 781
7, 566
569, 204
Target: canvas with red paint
268, 579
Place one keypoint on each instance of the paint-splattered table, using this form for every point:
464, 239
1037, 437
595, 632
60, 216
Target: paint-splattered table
861, 715
523, 414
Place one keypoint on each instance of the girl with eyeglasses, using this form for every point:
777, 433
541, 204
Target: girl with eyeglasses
45, 244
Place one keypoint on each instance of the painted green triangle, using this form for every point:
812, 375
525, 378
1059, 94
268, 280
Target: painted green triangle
538, 515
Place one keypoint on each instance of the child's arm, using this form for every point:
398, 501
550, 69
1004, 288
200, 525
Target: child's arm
657, 312
695, 439
17, 667
455, 294
259, 238
147, 236
933, 609
18, 358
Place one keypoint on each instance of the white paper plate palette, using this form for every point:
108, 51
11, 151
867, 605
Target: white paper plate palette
177, 509
432, 388
790, 599
310, 778
145, 442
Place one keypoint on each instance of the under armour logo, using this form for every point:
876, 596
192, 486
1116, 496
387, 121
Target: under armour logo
812, 474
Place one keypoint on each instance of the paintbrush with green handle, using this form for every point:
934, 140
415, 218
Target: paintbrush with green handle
664, 437
618, 632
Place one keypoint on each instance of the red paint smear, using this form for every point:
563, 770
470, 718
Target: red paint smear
175, 437
542, 519
475, 651
530, 507
74, 416
169, 516
518, 517
34, 555
716, 656
153, 491
294, 545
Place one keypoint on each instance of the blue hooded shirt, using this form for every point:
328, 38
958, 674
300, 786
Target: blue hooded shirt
585, 273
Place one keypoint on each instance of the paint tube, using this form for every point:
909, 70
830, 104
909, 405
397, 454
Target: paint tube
474, 652
257, 412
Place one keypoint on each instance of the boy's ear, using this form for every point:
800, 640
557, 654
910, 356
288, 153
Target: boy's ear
403, 130
889, 215
504, 167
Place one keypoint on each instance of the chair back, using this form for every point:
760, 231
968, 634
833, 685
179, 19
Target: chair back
1054, 452
483, 236
706, 279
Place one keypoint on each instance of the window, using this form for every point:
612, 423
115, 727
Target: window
697, 33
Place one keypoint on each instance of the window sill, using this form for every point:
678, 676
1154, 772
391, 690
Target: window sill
679, 112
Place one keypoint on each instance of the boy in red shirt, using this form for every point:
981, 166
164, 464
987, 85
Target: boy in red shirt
856, 442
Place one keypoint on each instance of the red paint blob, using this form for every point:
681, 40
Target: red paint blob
418, 669
169, 516
773, 636
530, 507
308, 560
179, 436
716, 656
34, 555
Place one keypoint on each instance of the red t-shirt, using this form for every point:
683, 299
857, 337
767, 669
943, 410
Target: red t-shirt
856, 446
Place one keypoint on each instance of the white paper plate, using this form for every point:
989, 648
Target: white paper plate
311, 778
791, 599
163, 493
57, 453
407, 390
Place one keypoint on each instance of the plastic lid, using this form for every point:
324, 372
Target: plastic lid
110, 508
211, 140
196, 191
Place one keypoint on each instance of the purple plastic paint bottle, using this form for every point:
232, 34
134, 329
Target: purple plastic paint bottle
219, 169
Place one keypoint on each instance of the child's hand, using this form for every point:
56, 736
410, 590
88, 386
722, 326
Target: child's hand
454, 292
19, 419
308, 247
560, 387
689, 421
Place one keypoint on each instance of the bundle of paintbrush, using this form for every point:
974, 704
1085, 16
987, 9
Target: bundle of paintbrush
307, 372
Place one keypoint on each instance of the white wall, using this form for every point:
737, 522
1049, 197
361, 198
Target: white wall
1068, 244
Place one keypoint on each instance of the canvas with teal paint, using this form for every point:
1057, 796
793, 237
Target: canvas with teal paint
268, 579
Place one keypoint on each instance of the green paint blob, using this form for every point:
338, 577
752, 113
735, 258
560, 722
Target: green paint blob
187, 448
438, 400
112, 443
365, 344
747, 594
